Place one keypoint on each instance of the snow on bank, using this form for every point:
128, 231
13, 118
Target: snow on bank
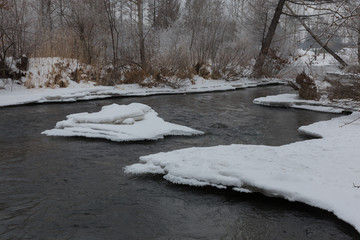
294, 101
320, 172
315, 62
115, 122
87, 91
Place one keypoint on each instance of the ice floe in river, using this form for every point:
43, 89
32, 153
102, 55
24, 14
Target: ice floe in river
323, 172
115, 122
294, 101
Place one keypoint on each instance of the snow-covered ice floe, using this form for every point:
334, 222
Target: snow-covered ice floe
115, 122
322, 172
294, 101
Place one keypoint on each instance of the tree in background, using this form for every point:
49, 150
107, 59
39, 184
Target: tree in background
13, 25
83, 21
353, 24
163, 13
169, 36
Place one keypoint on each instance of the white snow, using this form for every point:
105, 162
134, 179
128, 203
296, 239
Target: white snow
115, 122
319, 172
87, 91
294, 101
316, 64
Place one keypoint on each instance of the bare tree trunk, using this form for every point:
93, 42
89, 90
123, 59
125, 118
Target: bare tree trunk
358, 45
61, 13
154, 12
140, 13
258, 68
318, 40
358, 42
109, 9
45, 15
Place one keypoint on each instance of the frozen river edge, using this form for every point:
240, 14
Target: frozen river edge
83, 92
323, 172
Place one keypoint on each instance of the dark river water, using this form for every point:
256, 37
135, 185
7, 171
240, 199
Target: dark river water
75, 188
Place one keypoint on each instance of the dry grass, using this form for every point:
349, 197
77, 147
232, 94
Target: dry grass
135, 75
29, 81
55, 77
355, 69
155, 78
345, 90
63, 44
274, 63
184, 74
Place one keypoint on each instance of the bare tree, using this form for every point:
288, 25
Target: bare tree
317, 39
140, 15
83, 19
163, 13
139, 5
111, 11
258, 68
12, 33
353, 24
207, 25
45, 16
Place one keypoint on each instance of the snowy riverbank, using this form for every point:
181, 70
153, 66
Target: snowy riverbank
81, 92
322, 172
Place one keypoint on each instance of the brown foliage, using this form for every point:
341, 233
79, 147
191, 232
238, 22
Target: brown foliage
184, 74
55, 77
65, 44
28, 83
155, 78
4, 4
23, 64
204, 72
79, 75
349, 89
273, 64
308, 90
353, 69
4, 70
135, 76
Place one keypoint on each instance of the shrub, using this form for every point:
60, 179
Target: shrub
307, 90
274, 63
349, 89
355, 69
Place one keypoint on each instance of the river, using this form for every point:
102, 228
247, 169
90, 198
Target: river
75, 188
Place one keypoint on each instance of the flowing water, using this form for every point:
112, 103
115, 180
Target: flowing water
75, 188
